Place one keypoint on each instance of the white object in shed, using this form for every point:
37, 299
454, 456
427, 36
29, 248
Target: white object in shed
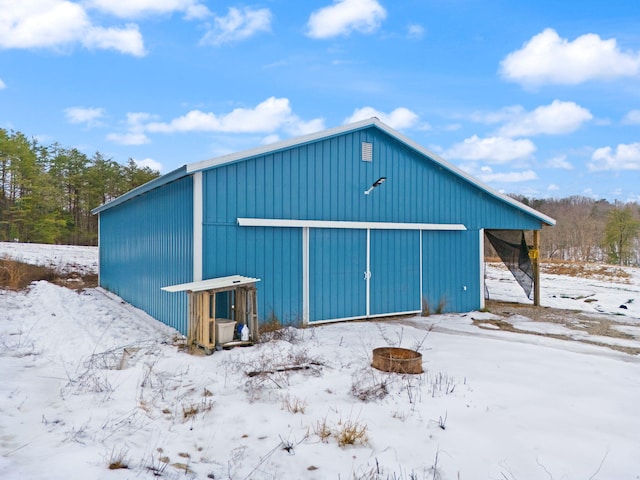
204, 328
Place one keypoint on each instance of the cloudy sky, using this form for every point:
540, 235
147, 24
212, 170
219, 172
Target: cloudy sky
539, 98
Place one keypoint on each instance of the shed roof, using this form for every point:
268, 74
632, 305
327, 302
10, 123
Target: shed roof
297, 141
211, 284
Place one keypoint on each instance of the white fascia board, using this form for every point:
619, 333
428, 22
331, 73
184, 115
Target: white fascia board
285, 223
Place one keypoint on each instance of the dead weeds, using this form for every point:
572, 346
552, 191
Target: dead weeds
16, 275
596, 325
586, 270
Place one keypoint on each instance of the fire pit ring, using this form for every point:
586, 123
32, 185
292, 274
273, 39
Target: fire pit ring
397, 360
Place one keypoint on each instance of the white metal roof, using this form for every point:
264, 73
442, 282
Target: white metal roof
211, 284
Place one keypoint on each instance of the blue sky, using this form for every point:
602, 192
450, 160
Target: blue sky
537, 98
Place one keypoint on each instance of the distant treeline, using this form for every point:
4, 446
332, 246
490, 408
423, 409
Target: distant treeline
589, 230
47, 192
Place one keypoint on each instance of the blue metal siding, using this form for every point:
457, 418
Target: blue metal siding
326, 180
146, 244
337, 262
395, 271
146, 240
273, 255
451, 262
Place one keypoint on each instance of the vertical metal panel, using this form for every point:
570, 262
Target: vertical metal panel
272, 254
451, 270
395, 271
146, 243
337, 265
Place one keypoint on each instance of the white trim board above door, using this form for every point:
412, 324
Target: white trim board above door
281, 222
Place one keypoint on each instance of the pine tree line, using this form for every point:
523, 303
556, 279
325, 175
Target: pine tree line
47, 192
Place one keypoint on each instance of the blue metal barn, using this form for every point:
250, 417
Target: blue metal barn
315, 220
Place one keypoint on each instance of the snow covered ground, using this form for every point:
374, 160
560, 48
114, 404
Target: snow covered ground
90, 381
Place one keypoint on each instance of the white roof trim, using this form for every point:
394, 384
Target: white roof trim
254, 152
279, 222
211, 284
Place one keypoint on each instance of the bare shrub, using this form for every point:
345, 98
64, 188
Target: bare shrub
16, 275
351, 433
427, 308
273, 367
367, 385
294, 404
92, 379
322, 430
118, 459
193, 409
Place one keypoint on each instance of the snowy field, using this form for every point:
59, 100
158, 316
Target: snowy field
89, 382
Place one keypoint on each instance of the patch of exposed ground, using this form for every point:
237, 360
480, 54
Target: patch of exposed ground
587, 270
593, 324
18, 275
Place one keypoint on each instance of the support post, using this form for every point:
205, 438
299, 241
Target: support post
535, 259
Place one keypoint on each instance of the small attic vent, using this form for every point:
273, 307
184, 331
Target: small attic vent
367, 152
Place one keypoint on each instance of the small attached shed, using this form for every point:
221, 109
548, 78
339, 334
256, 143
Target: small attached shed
353, 222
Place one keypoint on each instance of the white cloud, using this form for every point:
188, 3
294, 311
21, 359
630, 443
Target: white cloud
135, 130
507, 177
2, 85
238, 25
129, 138
267, 117
632, 118
548, 59
345, 16
415, 31
138, 8
559, 162
148, 163
553, 187
625, 157
297, 126
270, 139
499, 116
58, 24
493, 150
90, 116
554, 119
128, 40
399, 118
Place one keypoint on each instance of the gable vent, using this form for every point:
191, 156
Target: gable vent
367, 152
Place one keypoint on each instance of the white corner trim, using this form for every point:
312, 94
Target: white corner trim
197, 226
305, 277
482, 267
286, 223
